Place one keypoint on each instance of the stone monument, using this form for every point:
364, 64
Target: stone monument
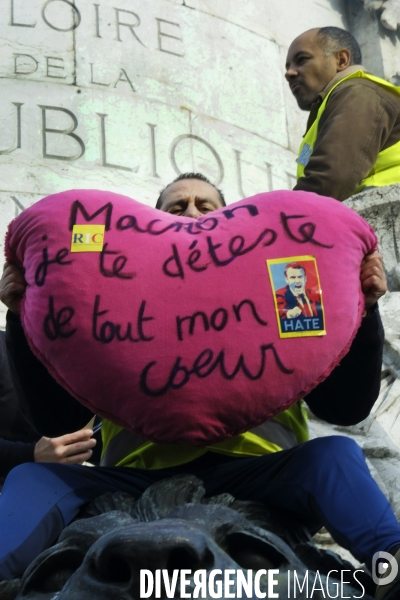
125, 96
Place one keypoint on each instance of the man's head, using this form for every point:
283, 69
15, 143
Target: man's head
315, 57
190, 195
295, 277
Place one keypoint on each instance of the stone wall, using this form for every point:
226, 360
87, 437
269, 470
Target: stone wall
375, 24
127, 97
381, 208
379, 434
124, 95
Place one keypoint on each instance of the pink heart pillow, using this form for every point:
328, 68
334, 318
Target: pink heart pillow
188, 330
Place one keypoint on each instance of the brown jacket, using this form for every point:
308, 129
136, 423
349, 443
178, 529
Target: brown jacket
361, 118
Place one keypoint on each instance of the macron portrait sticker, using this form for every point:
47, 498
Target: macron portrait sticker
297, 296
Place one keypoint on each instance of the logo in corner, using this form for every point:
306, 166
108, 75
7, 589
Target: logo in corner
384, 568
87, 238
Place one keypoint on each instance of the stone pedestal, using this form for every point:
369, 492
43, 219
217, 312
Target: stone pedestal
375, 24
379, 434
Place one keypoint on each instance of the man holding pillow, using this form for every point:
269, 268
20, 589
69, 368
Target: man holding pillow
281, 469
353, 131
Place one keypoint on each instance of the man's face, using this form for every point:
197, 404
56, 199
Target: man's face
308, 70
296, 280
190, 198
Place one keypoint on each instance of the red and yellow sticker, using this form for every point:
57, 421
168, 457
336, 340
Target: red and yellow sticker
297, 296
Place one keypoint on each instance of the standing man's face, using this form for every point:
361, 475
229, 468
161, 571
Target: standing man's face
308, 70
296, 280
190, 198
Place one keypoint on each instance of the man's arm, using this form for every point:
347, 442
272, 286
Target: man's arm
53, 410
13, 454
355, 125
10, 413
348, 394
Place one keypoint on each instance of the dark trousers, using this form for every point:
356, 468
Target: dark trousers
325, 481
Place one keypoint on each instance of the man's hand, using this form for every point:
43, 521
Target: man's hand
70, 449
12, 287
373, 279
293, 312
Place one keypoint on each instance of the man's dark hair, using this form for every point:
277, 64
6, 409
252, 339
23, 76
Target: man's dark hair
294, 266
333, 39
191, 176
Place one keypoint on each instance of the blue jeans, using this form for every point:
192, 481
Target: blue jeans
321, 482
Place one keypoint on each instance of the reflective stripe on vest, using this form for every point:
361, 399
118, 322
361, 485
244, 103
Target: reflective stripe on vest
277, 433
122, 448
386, 169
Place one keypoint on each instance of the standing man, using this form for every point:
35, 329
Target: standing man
353, 131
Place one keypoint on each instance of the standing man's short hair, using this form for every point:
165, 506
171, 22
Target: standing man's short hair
333, 39
191, 176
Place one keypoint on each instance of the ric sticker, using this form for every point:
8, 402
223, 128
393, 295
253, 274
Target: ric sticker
87, 238
297, 296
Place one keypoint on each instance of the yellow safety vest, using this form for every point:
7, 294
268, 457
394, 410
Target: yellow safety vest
386, 170
124, 449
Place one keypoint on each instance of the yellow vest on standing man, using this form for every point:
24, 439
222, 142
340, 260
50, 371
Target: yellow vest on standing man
386, 170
